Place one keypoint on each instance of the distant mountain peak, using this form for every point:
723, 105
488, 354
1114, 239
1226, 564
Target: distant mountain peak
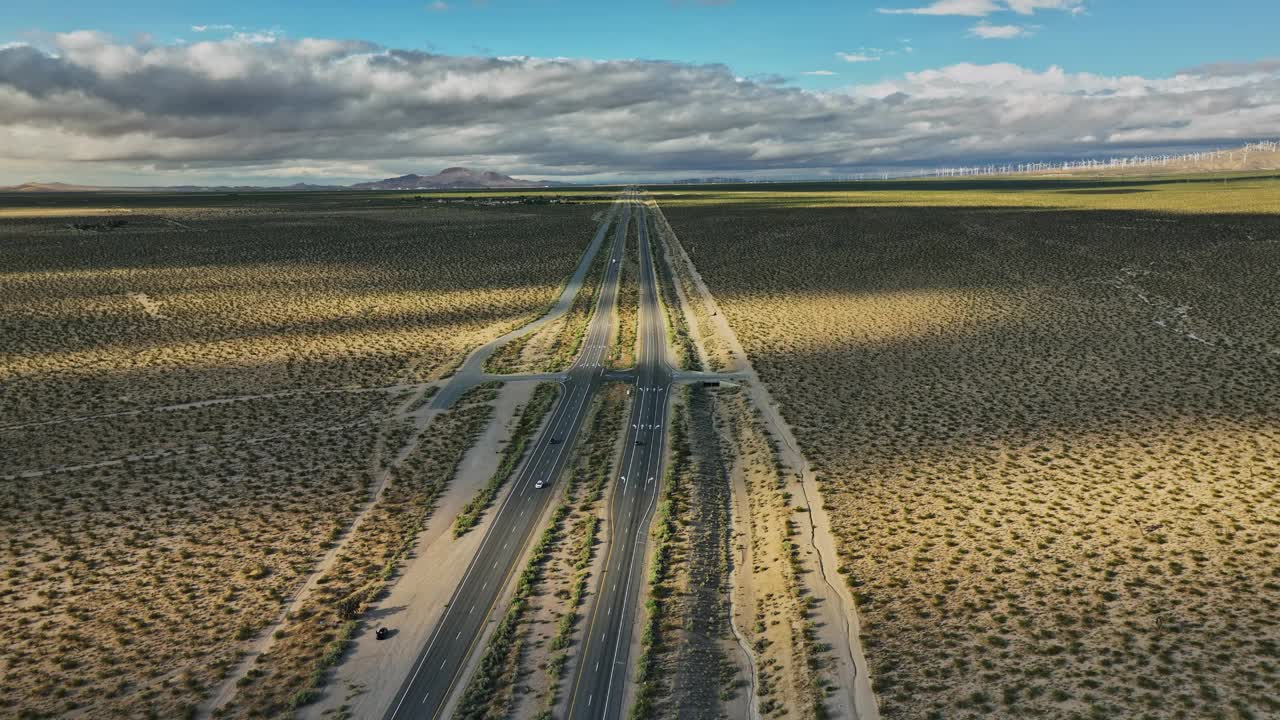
35, 187
453, 178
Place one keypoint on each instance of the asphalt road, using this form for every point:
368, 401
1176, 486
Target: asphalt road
603, 667
440, 667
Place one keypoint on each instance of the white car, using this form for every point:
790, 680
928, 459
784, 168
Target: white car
537, 485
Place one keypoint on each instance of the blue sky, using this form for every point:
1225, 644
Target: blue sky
807, 87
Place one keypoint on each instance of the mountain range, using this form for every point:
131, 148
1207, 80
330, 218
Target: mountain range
454, 178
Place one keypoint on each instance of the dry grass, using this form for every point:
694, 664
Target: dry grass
262, 299
772, 607
622, 355
313, 639
690, 675
1050, 438
679, 339
554, 346
128, 587
1183, 195
148, 531
713, 350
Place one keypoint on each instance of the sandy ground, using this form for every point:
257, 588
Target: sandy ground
838, 616
745, 702
412, 387
540, 627
370, 675
541, 345
766, 608
835, 614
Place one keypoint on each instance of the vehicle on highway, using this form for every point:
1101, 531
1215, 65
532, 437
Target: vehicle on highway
538, 485
555, 441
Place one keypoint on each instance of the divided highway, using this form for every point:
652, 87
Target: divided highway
603, 665
440, 667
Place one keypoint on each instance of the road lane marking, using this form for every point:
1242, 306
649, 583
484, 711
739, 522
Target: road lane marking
541, 445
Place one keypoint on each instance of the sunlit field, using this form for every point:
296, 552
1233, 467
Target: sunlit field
1214, 194
1046, 416
197, 394
187, 303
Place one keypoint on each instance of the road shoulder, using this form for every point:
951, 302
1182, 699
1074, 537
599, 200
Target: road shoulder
373, 671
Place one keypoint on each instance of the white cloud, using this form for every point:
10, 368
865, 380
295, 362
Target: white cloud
859, 57
251, 36
1028, 7
971, 8
234, 107
987, 31
438, 6
258, 37
818, 72
983, 8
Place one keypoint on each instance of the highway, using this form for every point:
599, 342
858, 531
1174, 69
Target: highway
439, 669
603, 665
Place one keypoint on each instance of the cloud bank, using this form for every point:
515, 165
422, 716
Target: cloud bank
255, 105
